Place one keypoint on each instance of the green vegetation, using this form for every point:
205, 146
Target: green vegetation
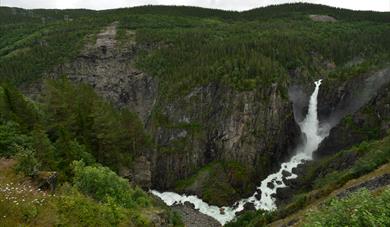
27, 163
252, 219
104, 185
246, 53
69, 129
71, 123
188, 46
360, 209
324, 176
25, 205
73, 132
220, 183
335, 171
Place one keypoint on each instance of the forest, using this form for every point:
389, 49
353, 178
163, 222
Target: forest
73, 131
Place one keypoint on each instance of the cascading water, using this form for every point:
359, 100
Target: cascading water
310, 128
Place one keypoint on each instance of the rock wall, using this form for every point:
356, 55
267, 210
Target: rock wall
361, 111
211, 123
256, 129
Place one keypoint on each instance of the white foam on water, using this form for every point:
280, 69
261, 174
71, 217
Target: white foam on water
310, 128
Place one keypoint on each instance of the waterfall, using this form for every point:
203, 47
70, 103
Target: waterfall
313, 134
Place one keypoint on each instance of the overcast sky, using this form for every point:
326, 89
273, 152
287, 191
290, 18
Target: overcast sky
377, 5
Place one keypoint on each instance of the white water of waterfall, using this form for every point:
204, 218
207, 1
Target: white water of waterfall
310, 128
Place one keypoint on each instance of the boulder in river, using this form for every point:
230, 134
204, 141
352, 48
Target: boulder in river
270, 185
285, 173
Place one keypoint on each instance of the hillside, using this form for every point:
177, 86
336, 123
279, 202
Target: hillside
196, 101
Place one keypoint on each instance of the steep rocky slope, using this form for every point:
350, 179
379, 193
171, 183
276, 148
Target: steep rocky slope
214, 123
356, 110
211, 123
363, 109
209, 89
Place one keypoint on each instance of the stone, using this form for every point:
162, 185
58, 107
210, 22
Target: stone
189, 205
270, 185
46, 180
249, 207
282, 195
286, 174
258, 195
222, 210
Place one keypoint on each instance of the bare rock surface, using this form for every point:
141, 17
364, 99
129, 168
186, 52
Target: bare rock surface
193, 218
110, 71
322, 18
372, 184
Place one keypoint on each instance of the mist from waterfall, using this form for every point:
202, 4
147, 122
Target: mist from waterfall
313, 135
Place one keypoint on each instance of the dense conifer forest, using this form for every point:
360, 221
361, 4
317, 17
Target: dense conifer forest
87, 140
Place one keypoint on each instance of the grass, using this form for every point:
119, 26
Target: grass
359, 209
23, 204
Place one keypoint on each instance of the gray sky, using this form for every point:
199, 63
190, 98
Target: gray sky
377, 5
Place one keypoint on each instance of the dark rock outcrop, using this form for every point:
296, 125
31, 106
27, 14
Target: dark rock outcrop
46, 180
141, 173
370, 121
252, 128
372, 184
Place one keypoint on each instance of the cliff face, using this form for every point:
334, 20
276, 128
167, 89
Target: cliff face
108, 69
371, 121
355, 109
217, 123
254, 129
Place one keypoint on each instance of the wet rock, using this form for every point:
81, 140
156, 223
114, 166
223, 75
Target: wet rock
286, 173
270, 185
299, 170
222, 210
258, 195
249, 207
282, 195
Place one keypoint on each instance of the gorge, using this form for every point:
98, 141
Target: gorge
173, 116
313, 135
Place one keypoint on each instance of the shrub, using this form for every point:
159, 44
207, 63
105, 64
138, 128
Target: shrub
74, 209
27, 163
103, 184
10, 136
360, 209
252, 219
